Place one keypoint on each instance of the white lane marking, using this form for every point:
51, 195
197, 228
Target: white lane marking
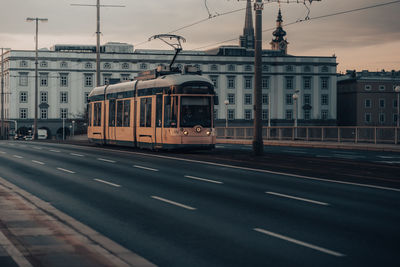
52, 150
203, 179
106, 160
75, 154
38, 162
388, 157
252, 169
173, 203
65, 170
36, 147
145, 168
105, 182
18, 157
2, 152
298, 198
301, 243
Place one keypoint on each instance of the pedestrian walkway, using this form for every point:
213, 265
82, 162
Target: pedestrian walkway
34, 233
315, 144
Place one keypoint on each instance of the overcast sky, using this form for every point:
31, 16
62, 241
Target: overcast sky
368, 39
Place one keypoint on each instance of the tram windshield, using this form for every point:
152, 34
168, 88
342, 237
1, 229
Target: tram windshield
195, 110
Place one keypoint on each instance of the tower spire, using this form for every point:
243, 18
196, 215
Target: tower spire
278, 42
247, 39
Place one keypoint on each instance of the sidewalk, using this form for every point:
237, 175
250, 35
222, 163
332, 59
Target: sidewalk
315, 144
34, 233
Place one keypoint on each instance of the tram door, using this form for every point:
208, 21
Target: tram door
111, 120
158, 117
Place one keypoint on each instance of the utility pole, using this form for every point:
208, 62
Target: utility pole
35, 134
2, 133
98, 32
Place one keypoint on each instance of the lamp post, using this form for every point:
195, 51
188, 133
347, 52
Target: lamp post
226, 102
397, 90
295, 97
35, 134
73, 128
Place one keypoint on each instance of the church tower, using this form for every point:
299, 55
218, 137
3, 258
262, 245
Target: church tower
279, 43
247, 39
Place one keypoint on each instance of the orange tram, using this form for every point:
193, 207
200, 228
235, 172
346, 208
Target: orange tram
160, 109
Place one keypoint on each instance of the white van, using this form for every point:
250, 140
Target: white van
42, 134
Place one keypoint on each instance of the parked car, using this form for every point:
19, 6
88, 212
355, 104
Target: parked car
28, 137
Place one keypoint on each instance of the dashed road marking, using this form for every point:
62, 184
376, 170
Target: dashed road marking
145, 168
18, 157
173, 203
65, 170
106, 160
105, 182
203, 179
38, 162
298, 198
53, 150
301, 243
75, 154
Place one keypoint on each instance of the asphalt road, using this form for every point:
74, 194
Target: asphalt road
174, 209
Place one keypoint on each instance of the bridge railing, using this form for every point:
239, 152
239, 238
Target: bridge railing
355, 134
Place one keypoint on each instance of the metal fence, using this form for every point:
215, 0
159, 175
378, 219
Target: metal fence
355, 134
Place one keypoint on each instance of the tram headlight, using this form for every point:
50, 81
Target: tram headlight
185, 132
208, 132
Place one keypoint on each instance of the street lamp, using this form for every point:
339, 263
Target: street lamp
226, 102
35, 134
397, 90
295, 97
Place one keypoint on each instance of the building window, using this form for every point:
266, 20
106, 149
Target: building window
307, 114
86, 97
367, 87
64, 79
265, 68
307, 83
382, 87
231, 67
324, 69
248, 99
215, 111
231, 99
106, 78
289, 83
264, 114
63, 65
289, 99
198, 67
23, 113
247, 114
248, 68
231, 114
265, 82
324, 100
289, 114
214, 79
214, 67
324, 83
367, 103
107, 66
43, 64
382, 117
125, 77
307, 69
307, 99
63, 97
231, 82
382, 103
23, 97
88, 80
367, 117
248, 81
43, 97
23, 79
44, 79
43, 113
23, 64
289, 68
63, 113
324, 114
265, 99
88, 65
143, 66
125, 66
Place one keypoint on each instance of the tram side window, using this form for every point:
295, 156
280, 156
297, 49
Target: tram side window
158, 110
97, 114
145, 112
111, 113
120, 105
127, 113
170, 111
89, 116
